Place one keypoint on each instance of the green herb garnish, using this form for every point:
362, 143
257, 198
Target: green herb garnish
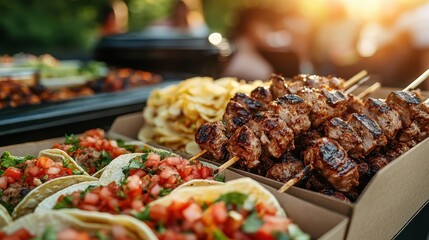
165, 191
252, 223
143, 215
218, 235
66, 202
7, 160
160, 228
128, 147
236, 199
219, 178
103, 161
282, 236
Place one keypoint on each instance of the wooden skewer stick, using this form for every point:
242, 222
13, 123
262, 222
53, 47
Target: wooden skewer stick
369, 90
352, 88
197, 155
226, 165
356, 78
417, 82
295, 179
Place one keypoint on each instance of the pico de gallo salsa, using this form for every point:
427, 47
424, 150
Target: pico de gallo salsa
20, 175
93, 151
115, 232
148, 177
233, 215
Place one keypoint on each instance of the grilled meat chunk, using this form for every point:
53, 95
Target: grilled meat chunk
245, 145
371, 134
285, 170
324, 104
262, 95
251, 104
235, 116
314, 81
294, 111
419, 128
316, 182
330, 160
307, 139
338, 130
396, 149
377, 162
387, 118
354, 105
278, 86
211, 137
274, 134
407, 104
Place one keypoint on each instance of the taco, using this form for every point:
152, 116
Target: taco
93, 151
25, 181
75, 224
239, 209
130, 182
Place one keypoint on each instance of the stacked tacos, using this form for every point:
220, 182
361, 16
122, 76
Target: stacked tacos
93, 151
132, 181
25, 181
75, 224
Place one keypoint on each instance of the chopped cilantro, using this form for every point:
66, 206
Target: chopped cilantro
160, 228
147, 149
128, 147
49, 234
282, 236
252, 223
7, 160
9, 207
71, 139
164, 154
101, 236
143, 215
84, 192
218, 235
135, 163
103, 161
165, 191
1, 172
77, 172
219, 177
66, 202
236, 199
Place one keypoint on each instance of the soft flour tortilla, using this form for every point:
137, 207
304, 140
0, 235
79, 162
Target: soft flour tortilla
5, 217
48, 203
35, 196
113, 171
209, 193
36, 223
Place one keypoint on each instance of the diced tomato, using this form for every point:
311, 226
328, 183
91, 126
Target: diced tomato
276, 223
69, 233
91, 198
220, 213
264, 234
205, 172
167, 172
105, 193
176, 208
19, 234
34, 171
193, 212
53, 171
14, 173
44, 162
158, 213
264, 209
185, 171
95, 133
173, 160
155, 190
3, 182
137, 204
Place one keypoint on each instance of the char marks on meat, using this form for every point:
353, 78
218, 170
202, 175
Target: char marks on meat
211, 136
371, 134
245, 145
274, 134
278, 86
338, 130
330, 160
262, 95
288, 168
294, 111
407, 104
387, 118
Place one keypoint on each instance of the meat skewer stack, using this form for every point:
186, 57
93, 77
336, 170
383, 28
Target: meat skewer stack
378, 122
248, 129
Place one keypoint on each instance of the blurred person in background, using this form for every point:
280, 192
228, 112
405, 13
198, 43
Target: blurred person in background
114, 18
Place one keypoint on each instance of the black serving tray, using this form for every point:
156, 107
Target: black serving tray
47, 120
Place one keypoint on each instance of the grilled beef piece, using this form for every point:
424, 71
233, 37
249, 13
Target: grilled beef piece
330, 160
376, 162
387, 118
338, 130
15, 192
335, 194
314, 81
285, 170
235, 116
371, 134
266, 162
251, 104
407, 104
307, 139
324, 104
245, 145
419, 128
354, 105
262, 95
211, 137
294, 111
274, 134
278, 86
317, 183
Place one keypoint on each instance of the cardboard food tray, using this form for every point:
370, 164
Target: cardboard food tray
388, 202
317, 221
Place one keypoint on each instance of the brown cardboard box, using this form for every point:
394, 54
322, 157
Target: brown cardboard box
317, 221
389, 201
